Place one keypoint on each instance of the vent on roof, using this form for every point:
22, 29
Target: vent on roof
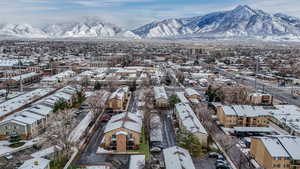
36, 163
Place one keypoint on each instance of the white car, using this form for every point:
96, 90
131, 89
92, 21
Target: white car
8, 156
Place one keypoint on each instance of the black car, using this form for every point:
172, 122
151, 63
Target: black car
222, 166
213, 155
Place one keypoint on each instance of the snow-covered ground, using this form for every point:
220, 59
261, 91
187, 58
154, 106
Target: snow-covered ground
4, 146
80, 128
45, 152
102, 150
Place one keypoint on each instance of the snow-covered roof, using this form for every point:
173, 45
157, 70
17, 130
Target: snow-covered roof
35, 163
188, 118
181, 97
282, 146
160, 93
16, 103
31, 115
177, 158
61, 76
46, 152
125, 120
119, 93
23, 76
274, 147
191, 91
244, 111
40, 109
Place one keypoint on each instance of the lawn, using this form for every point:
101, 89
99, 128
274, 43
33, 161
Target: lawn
144, 146
58, 164
16, 145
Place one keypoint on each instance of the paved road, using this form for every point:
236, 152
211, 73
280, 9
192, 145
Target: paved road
89, 157
204, 162
234, 153
168, 130
283, 95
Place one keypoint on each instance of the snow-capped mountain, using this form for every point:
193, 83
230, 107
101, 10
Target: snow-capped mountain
21, 30
241, 21
89, 27
165, 28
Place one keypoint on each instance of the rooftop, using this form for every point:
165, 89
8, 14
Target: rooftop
177, 158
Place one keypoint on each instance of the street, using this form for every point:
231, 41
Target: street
168, 130
276, 92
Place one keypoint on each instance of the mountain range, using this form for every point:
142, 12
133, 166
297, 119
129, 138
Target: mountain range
242, 21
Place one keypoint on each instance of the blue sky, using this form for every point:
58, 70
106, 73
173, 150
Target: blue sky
128, 13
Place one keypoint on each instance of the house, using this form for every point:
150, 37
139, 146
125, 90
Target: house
118, 99
177, 158
36, 163
123, 132
189, 121
191, 94
242, 116
161, 98
276, 152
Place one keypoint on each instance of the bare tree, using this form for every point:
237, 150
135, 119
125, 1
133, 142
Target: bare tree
97, 102
148, 106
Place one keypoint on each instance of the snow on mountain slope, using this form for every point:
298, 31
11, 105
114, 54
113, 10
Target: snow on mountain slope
89, 27
21, 30
169, 27
241, 21
128, 34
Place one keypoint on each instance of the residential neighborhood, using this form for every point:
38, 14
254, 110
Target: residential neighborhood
121, 105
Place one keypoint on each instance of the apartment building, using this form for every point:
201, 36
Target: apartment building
177, 158
161, 98
192, 94
119, 98
36, 163
276, 152
242, 116
58, 79
181, 97
260, 99
189, 121
123, 132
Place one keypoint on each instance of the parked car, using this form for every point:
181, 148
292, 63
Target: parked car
218, 162
213, 155
220, 157
105, 118
222, 166
8, 156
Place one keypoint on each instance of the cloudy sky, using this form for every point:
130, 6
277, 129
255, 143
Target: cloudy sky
128, 13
